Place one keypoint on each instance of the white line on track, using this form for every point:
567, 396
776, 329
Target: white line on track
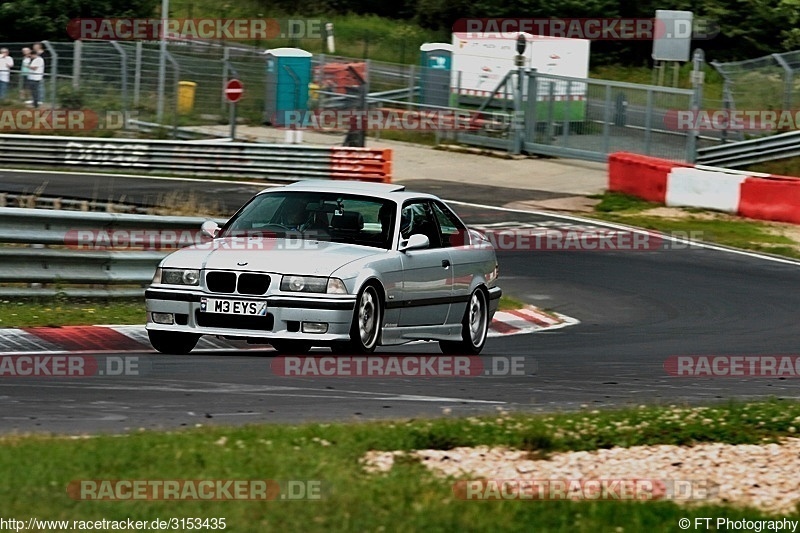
573, 218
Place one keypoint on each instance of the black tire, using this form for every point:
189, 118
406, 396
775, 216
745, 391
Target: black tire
474, 327
365, 332
291, 347
171, 343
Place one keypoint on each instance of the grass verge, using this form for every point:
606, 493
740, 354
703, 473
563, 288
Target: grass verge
72, 312
409, 498
720, 228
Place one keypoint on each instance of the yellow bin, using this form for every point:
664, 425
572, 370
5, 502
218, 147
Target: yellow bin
186, 91
313, 91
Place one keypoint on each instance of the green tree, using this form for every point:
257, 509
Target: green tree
30, 20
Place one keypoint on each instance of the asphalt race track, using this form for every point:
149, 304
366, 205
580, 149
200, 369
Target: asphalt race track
636, 308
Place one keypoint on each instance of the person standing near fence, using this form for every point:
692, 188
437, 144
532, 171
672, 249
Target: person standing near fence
35, 77
24, 70
6, 62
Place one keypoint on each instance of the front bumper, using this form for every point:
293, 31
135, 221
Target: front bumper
283, 320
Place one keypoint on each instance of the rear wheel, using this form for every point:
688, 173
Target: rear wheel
291, 347
474, 327
168, 342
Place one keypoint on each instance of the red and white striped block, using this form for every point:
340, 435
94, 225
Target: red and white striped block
749, 194
121, 339
529, 319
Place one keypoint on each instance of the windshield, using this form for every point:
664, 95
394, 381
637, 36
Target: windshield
316, 215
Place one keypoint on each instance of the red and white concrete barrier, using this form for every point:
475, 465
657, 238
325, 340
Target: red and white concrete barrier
749, 194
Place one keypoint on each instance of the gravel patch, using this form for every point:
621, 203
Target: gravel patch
760, 476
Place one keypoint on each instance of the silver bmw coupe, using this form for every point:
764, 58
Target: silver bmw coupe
347, 265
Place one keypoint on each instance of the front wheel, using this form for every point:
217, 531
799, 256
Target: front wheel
367, 319
171, 343
474, 327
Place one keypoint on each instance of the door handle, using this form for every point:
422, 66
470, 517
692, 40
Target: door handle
445, 263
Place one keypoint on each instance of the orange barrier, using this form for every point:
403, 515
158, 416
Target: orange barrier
337, 77
774, 198
361, 164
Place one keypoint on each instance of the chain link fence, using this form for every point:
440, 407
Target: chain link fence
570, 117
766, 83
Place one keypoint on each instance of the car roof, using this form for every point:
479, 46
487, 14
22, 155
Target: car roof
389, 191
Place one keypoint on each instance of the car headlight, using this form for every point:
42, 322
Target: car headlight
313, 284
157, 276
180, 276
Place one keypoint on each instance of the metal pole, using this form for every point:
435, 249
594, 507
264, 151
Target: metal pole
788, 81
411, 85
124, 74
162, 61
137, 75
53, 71
697, 100
233, 120
231, 70
566, 122
607, 120
177, 70
531, 118
76, 64
519, 134
226, 54
648, 122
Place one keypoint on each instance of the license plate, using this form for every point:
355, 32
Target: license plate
233, 307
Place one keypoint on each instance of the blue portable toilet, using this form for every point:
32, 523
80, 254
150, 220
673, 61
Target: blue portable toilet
288, 76
435, 62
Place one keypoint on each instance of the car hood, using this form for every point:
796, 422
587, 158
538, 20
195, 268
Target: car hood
284, 256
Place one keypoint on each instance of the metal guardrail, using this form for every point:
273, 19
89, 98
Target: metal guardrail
741, 153
45, 254
276, 162
176, 133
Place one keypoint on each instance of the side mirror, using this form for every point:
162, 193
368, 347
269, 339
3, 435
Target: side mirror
418, 241
210, 228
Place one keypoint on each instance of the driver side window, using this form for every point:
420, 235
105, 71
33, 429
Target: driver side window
417, 217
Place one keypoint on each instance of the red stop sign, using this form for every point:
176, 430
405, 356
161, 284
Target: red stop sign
234, 90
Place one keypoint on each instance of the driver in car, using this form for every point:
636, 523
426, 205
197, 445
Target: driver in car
295, 217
